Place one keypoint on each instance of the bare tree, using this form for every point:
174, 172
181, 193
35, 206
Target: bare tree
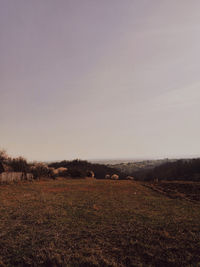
3, 155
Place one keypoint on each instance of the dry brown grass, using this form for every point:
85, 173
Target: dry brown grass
178, 189
96, 223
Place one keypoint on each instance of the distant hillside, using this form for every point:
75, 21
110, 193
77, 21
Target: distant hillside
79, 168
132, 167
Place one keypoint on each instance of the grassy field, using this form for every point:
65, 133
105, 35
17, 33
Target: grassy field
97, 223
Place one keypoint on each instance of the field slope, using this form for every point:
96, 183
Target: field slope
96, 223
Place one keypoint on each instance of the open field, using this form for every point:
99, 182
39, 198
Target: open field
96, 223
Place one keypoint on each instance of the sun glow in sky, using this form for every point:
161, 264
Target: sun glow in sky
100, 79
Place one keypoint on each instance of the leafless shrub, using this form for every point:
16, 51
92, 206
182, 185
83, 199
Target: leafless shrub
40, 170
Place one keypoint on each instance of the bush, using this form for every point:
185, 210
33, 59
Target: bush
40, 170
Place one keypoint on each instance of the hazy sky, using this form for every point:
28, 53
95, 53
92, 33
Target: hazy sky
100, 78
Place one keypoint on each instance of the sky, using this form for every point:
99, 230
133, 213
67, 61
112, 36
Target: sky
100, 79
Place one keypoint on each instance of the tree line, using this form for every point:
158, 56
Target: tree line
184, 169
